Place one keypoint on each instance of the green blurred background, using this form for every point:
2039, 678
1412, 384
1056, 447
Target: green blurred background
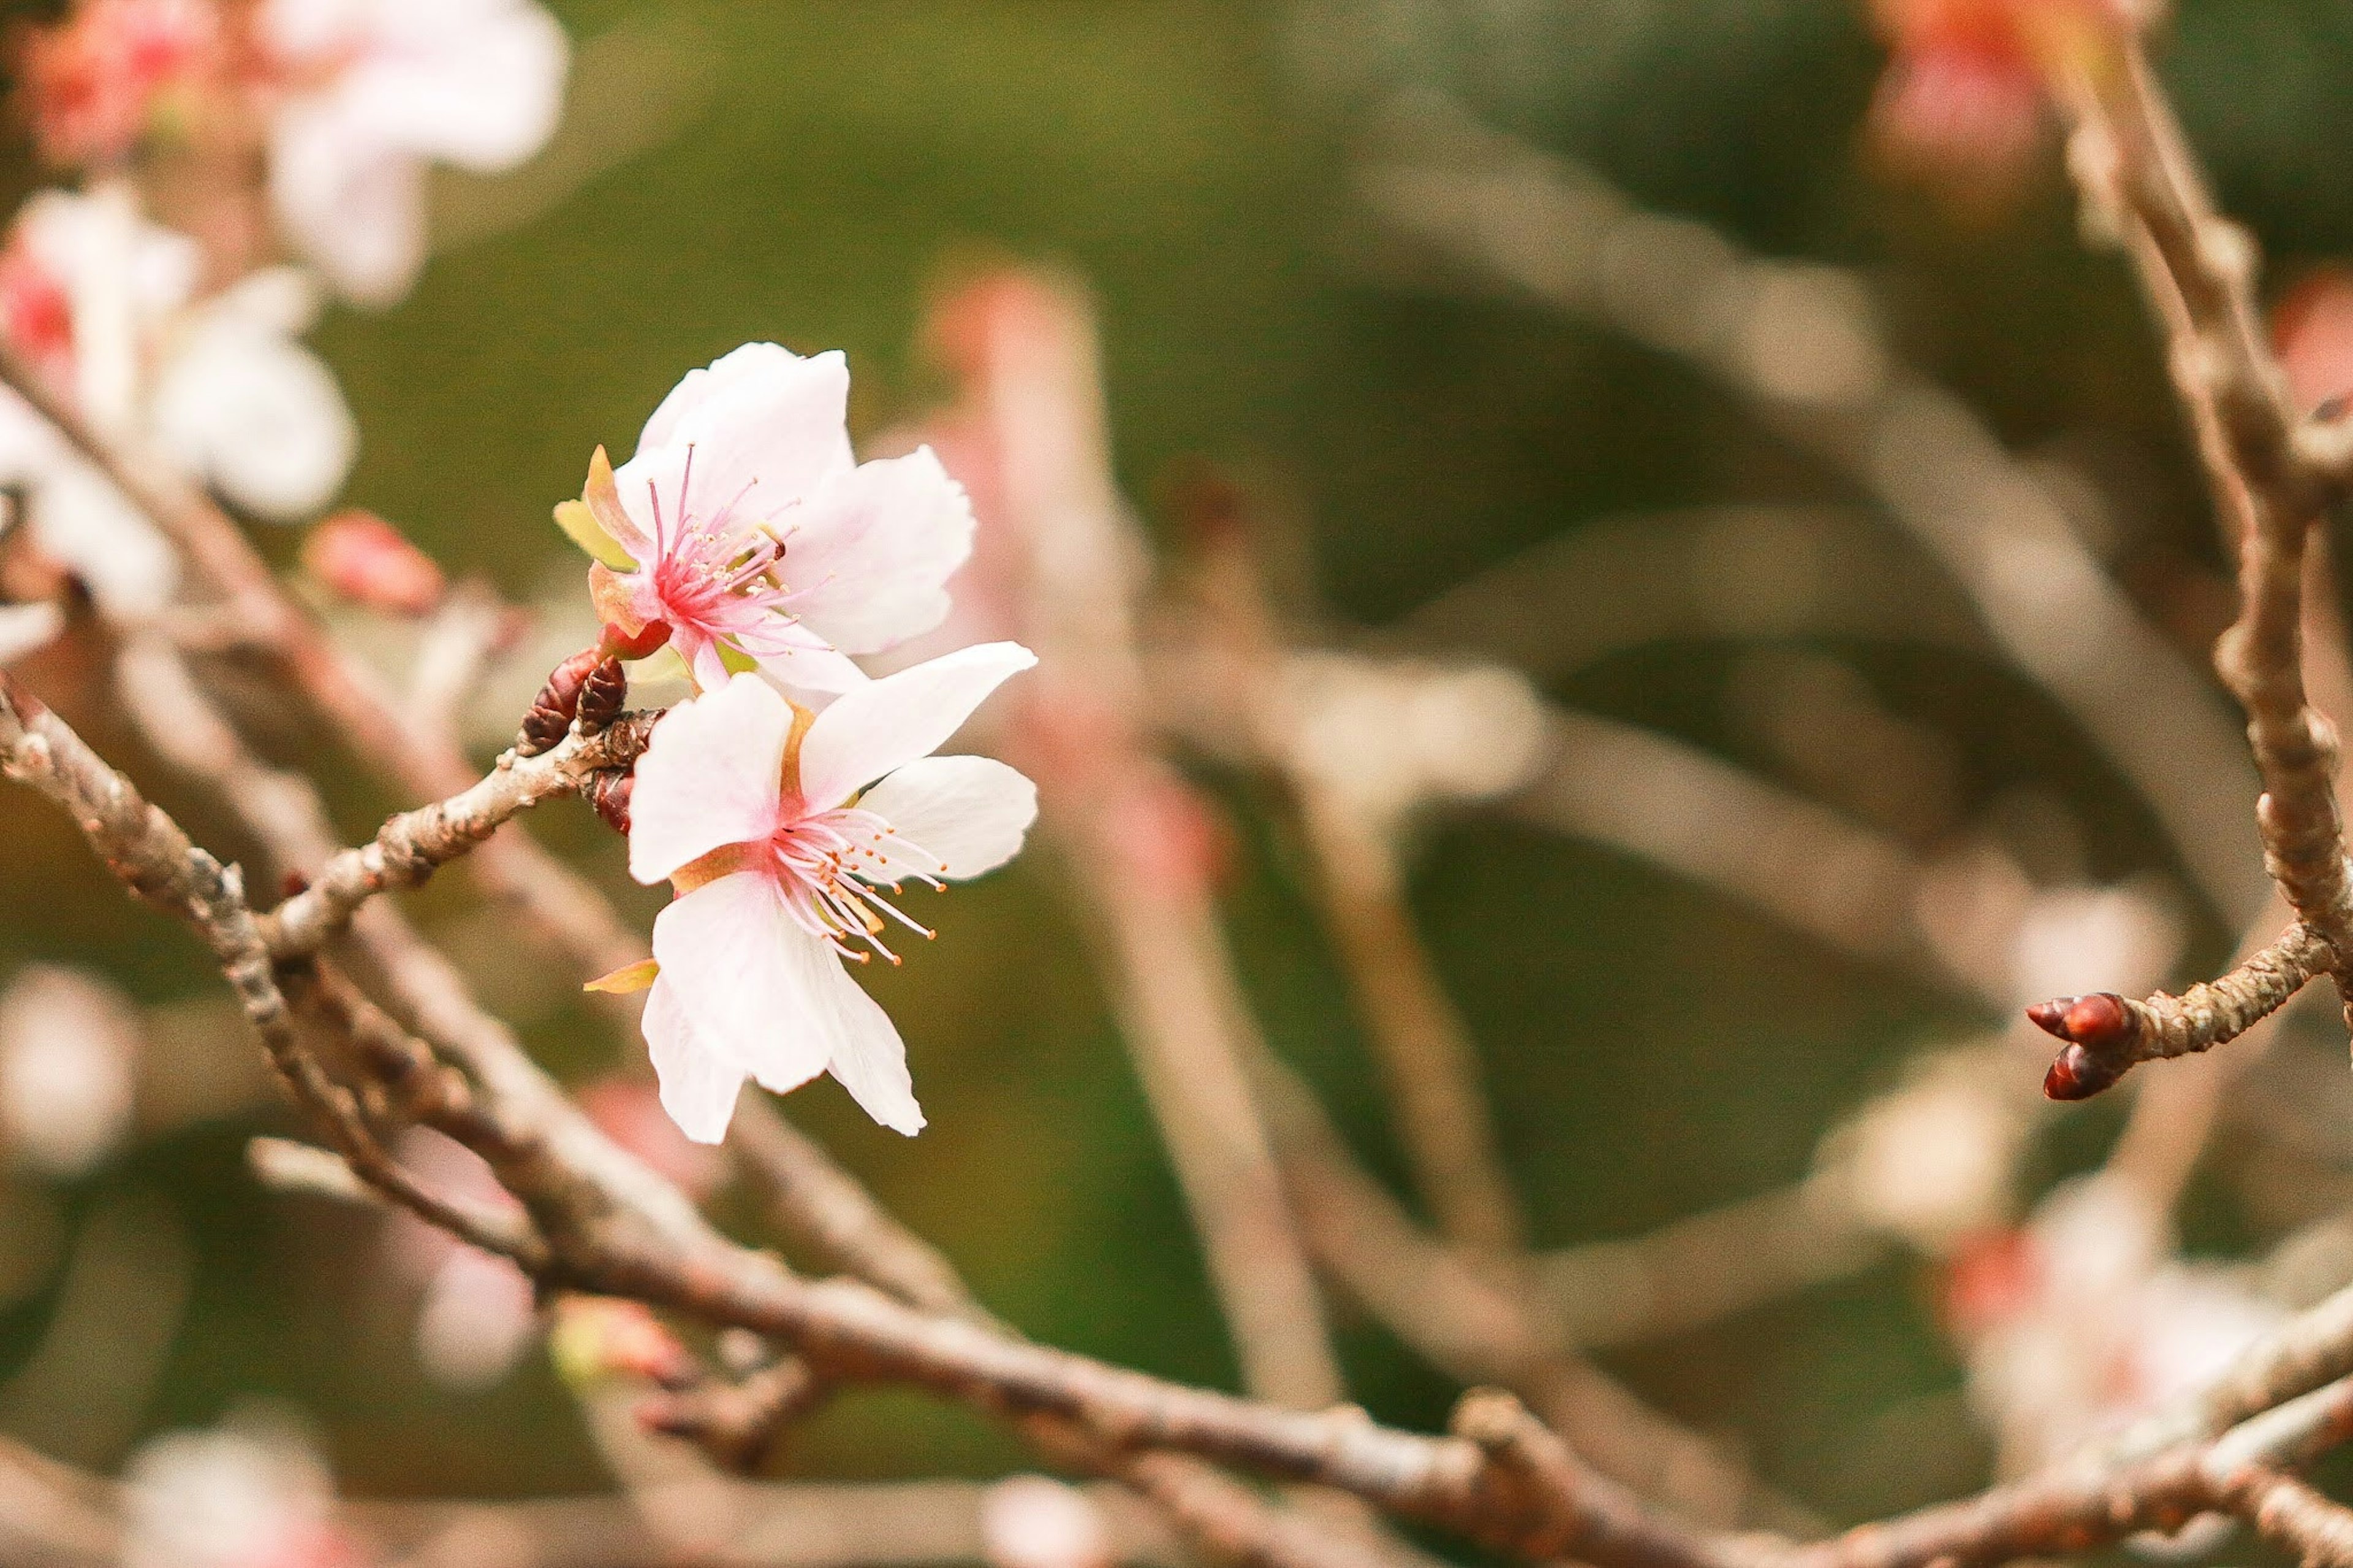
809, 171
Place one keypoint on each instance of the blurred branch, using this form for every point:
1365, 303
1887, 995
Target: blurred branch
403, 747
1108, 804
1699, 573
1797, 344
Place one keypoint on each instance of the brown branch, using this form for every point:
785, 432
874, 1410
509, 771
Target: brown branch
407, 749
1509, 1488
1796, 343
2133, 165
410, 847
148, 851
2109, 1035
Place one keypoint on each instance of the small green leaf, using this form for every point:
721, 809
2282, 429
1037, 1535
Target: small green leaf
581, 527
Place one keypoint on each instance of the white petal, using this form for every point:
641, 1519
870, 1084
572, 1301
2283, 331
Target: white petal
863, 1046
350, 201
953, 816
699, 1085
874, 729
83, 523
709, 777
259, 417
869, 558
767, 428
739, 967
477, 83
23, 628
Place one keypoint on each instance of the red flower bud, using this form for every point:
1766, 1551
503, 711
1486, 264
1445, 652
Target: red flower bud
364, 560
610, 796
601, 695
553, 710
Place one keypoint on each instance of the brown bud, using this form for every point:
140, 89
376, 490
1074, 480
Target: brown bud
550, 719
292, 884
601, 695
2103, 1019
2077, 1074
609, 794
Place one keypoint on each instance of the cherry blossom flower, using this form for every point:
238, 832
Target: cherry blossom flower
476, 1313
248, 1496
742, 528
1966, 79
373, 90
782, 832
104, 305
26, 627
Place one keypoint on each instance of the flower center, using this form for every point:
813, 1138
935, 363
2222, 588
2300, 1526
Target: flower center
833, 867
711, 568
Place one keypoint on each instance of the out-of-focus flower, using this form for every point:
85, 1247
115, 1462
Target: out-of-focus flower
599, 1338
99, 82
2082, 1321
230, 1499
23, 628
1967, 80
371, 91
1400, 735
361, 559
773, 827
246, 408
103, 303
69, 1046
2313, 328
477, 1314
1032, 1521
742, 528
1932, 1162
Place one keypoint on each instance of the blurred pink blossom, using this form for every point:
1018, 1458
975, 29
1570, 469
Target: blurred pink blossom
96, 83
69, 1048
105, 305
2083, 1320
1032, 1521
745, 527
369, 92
364, 560
1967, 80
232, 1498
2313, 327
477, 1314
772, 826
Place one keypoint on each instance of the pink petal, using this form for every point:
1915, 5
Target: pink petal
708, 778
953, 816
863, 1048
737, 965
766, 428
699, 1085
885, 724
869, 558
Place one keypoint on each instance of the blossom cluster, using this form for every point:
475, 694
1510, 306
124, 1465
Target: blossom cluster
792, 800
290, 141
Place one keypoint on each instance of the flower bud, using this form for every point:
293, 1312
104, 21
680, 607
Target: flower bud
610, 796
597, 1337
558, 702
363, 560
601, 695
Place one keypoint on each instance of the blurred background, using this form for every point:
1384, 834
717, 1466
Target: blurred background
1433, 460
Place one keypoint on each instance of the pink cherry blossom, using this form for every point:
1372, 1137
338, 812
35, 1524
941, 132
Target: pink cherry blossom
784, 833
744, 525
370, 91
95, 81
